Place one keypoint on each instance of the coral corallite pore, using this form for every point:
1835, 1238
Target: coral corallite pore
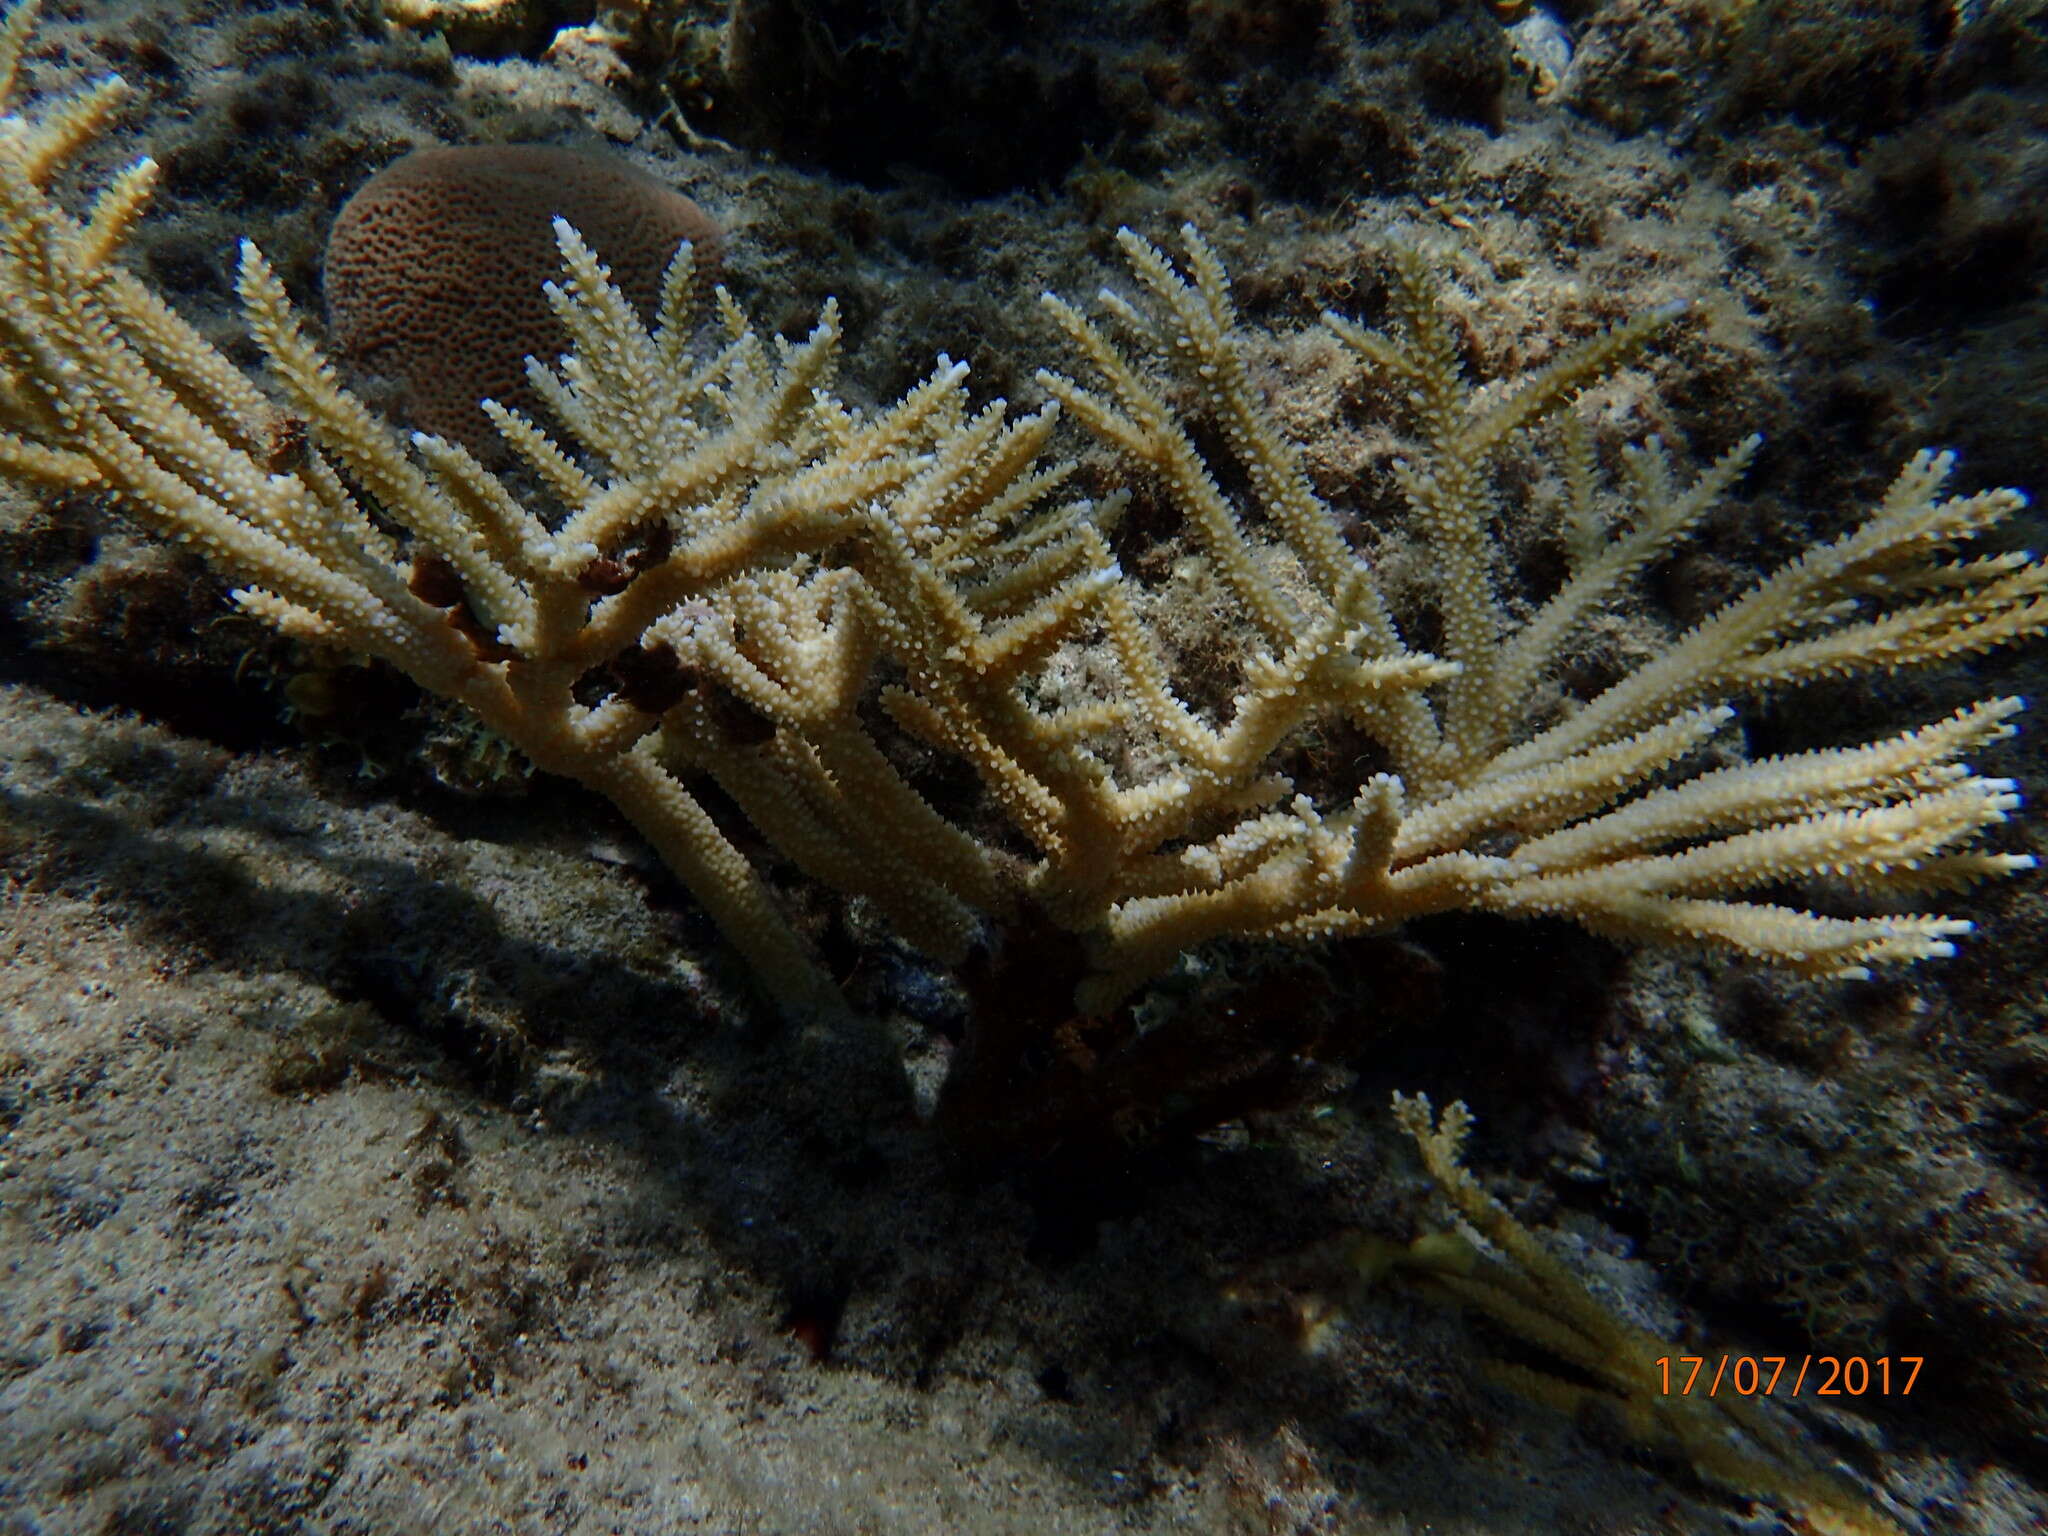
730, 576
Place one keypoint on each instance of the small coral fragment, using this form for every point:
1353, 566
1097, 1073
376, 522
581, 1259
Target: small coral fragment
1733, 1439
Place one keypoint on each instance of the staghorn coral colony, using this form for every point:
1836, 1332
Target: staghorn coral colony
1145, 731
714, 584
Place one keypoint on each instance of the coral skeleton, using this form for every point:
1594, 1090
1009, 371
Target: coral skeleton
727, 574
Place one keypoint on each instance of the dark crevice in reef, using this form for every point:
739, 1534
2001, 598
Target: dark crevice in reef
960, 89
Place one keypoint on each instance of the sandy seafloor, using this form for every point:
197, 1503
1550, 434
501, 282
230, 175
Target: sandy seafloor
384, 1157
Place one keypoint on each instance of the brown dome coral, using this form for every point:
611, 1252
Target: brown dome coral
434, 268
